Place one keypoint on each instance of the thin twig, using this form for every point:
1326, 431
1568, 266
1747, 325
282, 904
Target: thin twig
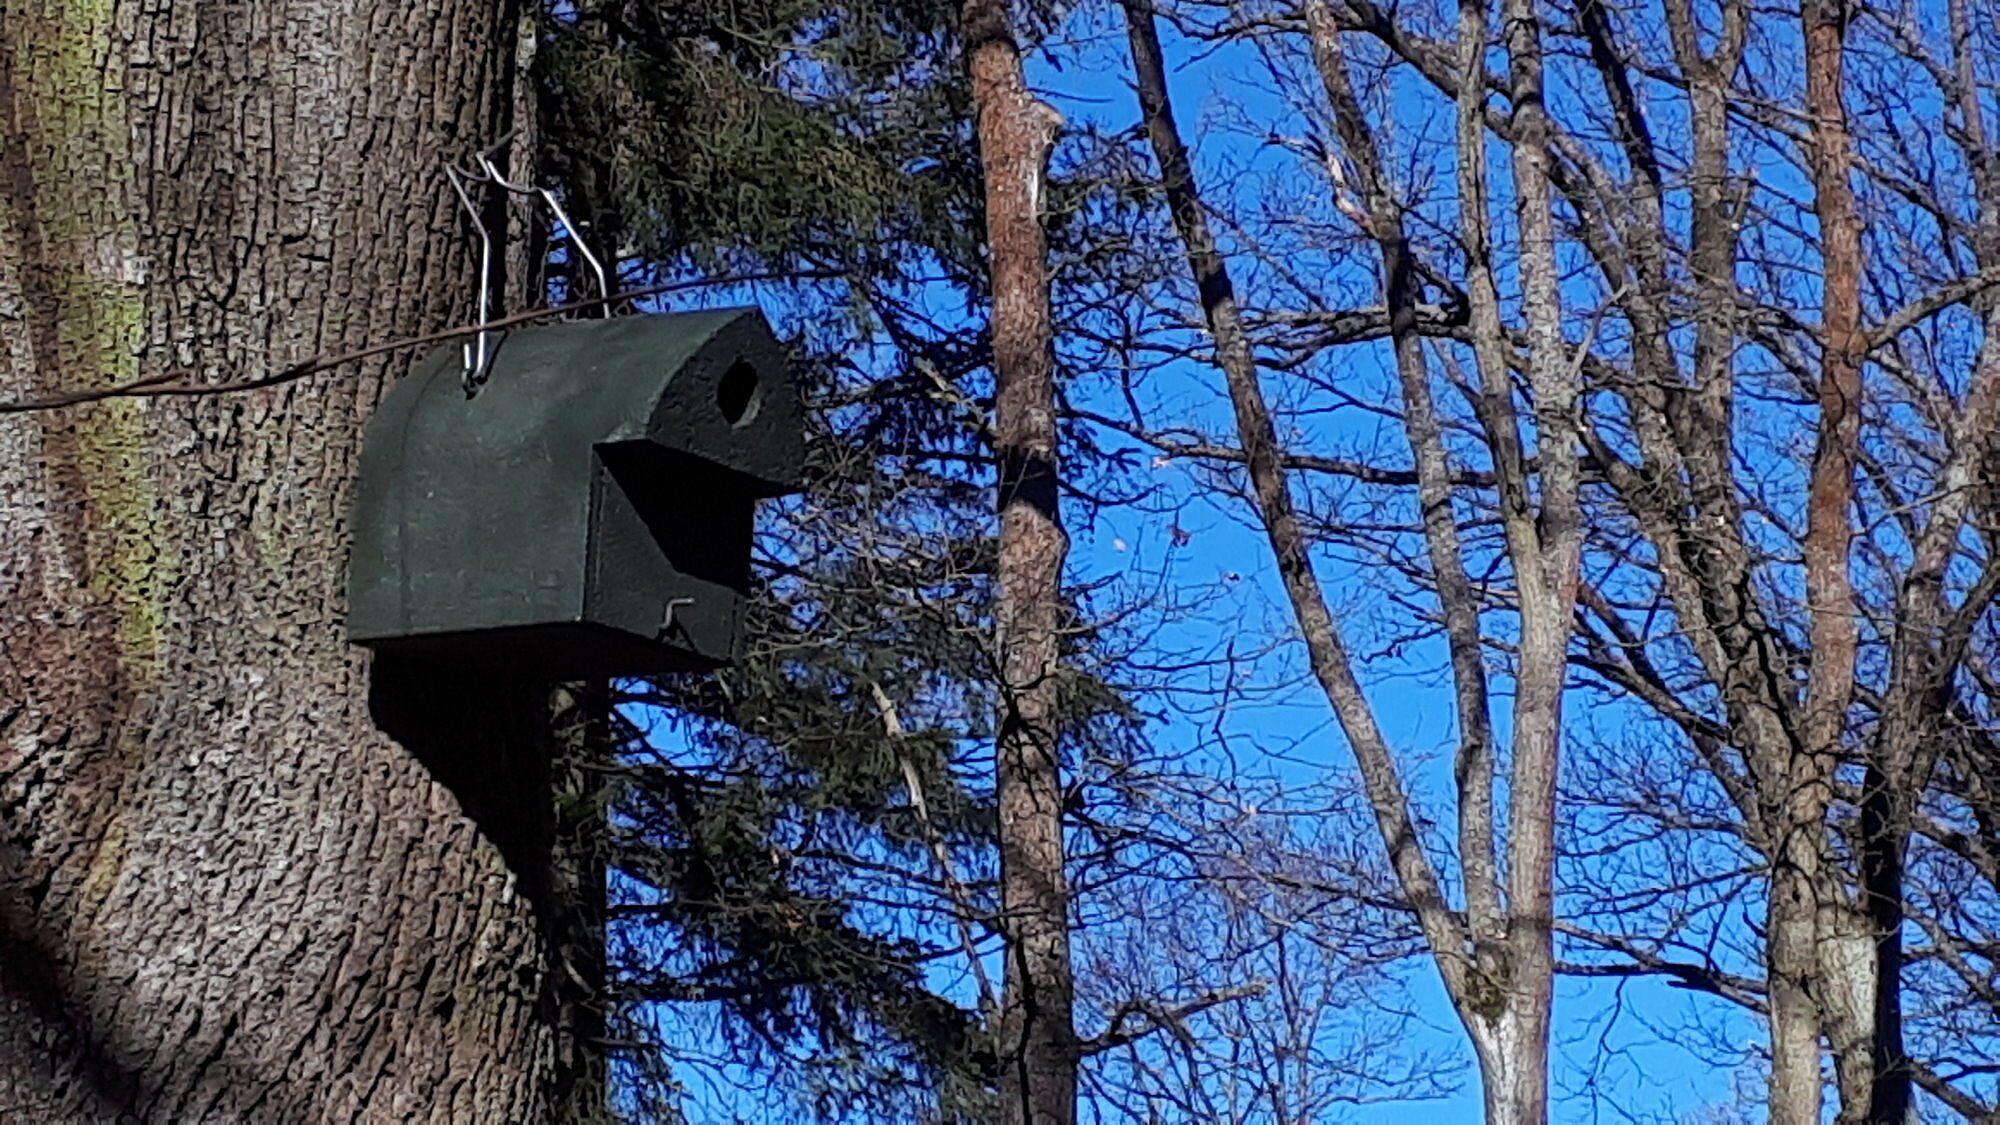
1157, 1019
989, 1001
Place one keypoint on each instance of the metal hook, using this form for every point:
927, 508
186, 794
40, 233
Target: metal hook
555, 206
478, 354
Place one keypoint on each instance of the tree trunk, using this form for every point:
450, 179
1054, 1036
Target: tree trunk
581, 757
1038, 1046
1812, 964
225, 894
1510, 1038
1501, 990
1513, 1070
1546, 574
1890, 1099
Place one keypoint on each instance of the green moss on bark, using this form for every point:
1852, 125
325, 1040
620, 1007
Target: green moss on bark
80, 165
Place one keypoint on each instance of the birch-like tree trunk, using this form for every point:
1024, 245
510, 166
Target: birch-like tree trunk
1496, 957
1038, 1044
225, 893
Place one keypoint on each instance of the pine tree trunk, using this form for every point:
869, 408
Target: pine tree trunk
1038, 1048
225, 893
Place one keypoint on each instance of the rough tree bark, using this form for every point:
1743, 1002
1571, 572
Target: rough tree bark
1546, 552
1038, 1045
225, 894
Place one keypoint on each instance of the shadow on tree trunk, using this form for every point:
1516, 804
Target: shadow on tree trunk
520, 758
485, 739
33, 980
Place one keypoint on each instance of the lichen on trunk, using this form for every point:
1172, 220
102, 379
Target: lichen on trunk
225, 893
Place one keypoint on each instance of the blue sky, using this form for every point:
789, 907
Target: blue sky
1620, 1047
1630, 1051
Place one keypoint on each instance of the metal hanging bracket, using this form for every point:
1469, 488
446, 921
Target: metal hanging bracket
477, 355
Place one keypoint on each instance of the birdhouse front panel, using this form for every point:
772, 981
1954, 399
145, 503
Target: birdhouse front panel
589, 511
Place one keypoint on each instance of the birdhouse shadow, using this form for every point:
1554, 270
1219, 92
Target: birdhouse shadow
485, 739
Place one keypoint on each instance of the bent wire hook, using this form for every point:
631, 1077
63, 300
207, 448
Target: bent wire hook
478, 353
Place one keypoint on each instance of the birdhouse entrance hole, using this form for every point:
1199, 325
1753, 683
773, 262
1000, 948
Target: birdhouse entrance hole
590, 512
736, 394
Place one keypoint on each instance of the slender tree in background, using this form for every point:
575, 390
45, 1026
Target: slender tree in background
225, 894
1497, 963
1781, 392
812, 849
1932, 743
1666, 350
1017, 131
1811, 993
1696, 351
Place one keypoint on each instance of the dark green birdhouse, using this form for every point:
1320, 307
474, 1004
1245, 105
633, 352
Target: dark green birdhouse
589, 512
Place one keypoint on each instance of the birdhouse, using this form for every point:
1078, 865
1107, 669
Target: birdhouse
588, 513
